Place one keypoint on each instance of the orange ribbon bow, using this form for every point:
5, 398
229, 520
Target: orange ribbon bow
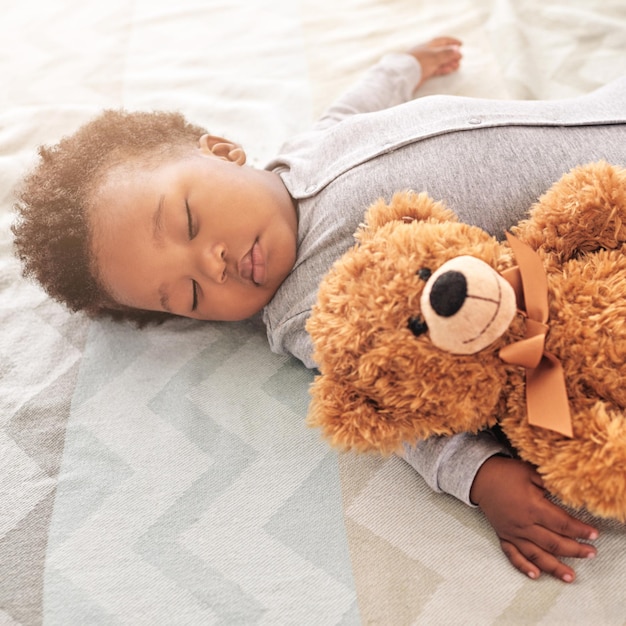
546, 396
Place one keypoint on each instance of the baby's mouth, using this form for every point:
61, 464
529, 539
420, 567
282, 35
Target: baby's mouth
258, 264
252, 266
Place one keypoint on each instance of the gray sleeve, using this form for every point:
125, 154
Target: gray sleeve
295, 340
449, 464
390, 82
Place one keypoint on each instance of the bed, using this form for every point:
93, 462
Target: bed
166, 476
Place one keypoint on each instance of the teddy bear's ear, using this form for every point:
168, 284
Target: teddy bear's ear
405, 206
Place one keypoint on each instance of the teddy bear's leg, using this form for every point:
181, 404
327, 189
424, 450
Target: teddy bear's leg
588, 325
590, 470
584, 211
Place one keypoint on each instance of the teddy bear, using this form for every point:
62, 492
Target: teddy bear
428, 326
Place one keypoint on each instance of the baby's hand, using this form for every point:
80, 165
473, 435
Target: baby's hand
533, 531
437, 57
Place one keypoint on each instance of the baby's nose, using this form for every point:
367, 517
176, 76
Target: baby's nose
213, 262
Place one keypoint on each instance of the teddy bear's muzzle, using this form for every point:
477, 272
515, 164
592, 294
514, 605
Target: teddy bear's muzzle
467, 305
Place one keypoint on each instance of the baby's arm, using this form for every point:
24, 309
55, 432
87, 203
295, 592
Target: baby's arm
394, 79
534, 533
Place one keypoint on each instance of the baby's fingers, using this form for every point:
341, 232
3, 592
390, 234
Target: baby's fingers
531, 560
555, 520
560, 545
518, 560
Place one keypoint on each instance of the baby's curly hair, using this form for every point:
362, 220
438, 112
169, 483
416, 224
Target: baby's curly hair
52, 231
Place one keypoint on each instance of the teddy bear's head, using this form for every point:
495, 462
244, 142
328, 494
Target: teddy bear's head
407, 329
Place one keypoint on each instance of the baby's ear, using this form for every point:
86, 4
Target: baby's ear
405, 206
222, 148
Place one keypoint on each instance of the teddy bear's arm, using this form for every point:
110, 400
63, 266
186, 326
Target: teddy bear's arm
582, 212
349, 421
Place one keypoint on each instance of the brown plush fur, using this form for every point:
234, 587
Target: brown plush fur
380, 385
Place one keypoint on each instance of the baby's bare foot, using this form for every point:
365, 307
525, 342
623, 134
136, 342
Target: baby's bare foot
438, 57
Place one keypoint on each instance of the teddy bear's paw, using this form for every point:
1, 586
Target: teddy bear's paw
583, 212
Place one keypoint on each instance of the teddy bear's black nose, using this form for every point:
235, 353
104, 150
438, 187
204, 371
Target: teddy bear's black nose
448, 293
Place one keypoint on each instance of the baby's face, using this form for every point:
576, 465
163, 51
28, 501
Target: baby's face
201, 236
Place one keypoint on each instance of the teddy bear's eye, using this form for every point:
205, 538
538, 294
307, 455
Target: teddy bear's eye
417, 326
424, 273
